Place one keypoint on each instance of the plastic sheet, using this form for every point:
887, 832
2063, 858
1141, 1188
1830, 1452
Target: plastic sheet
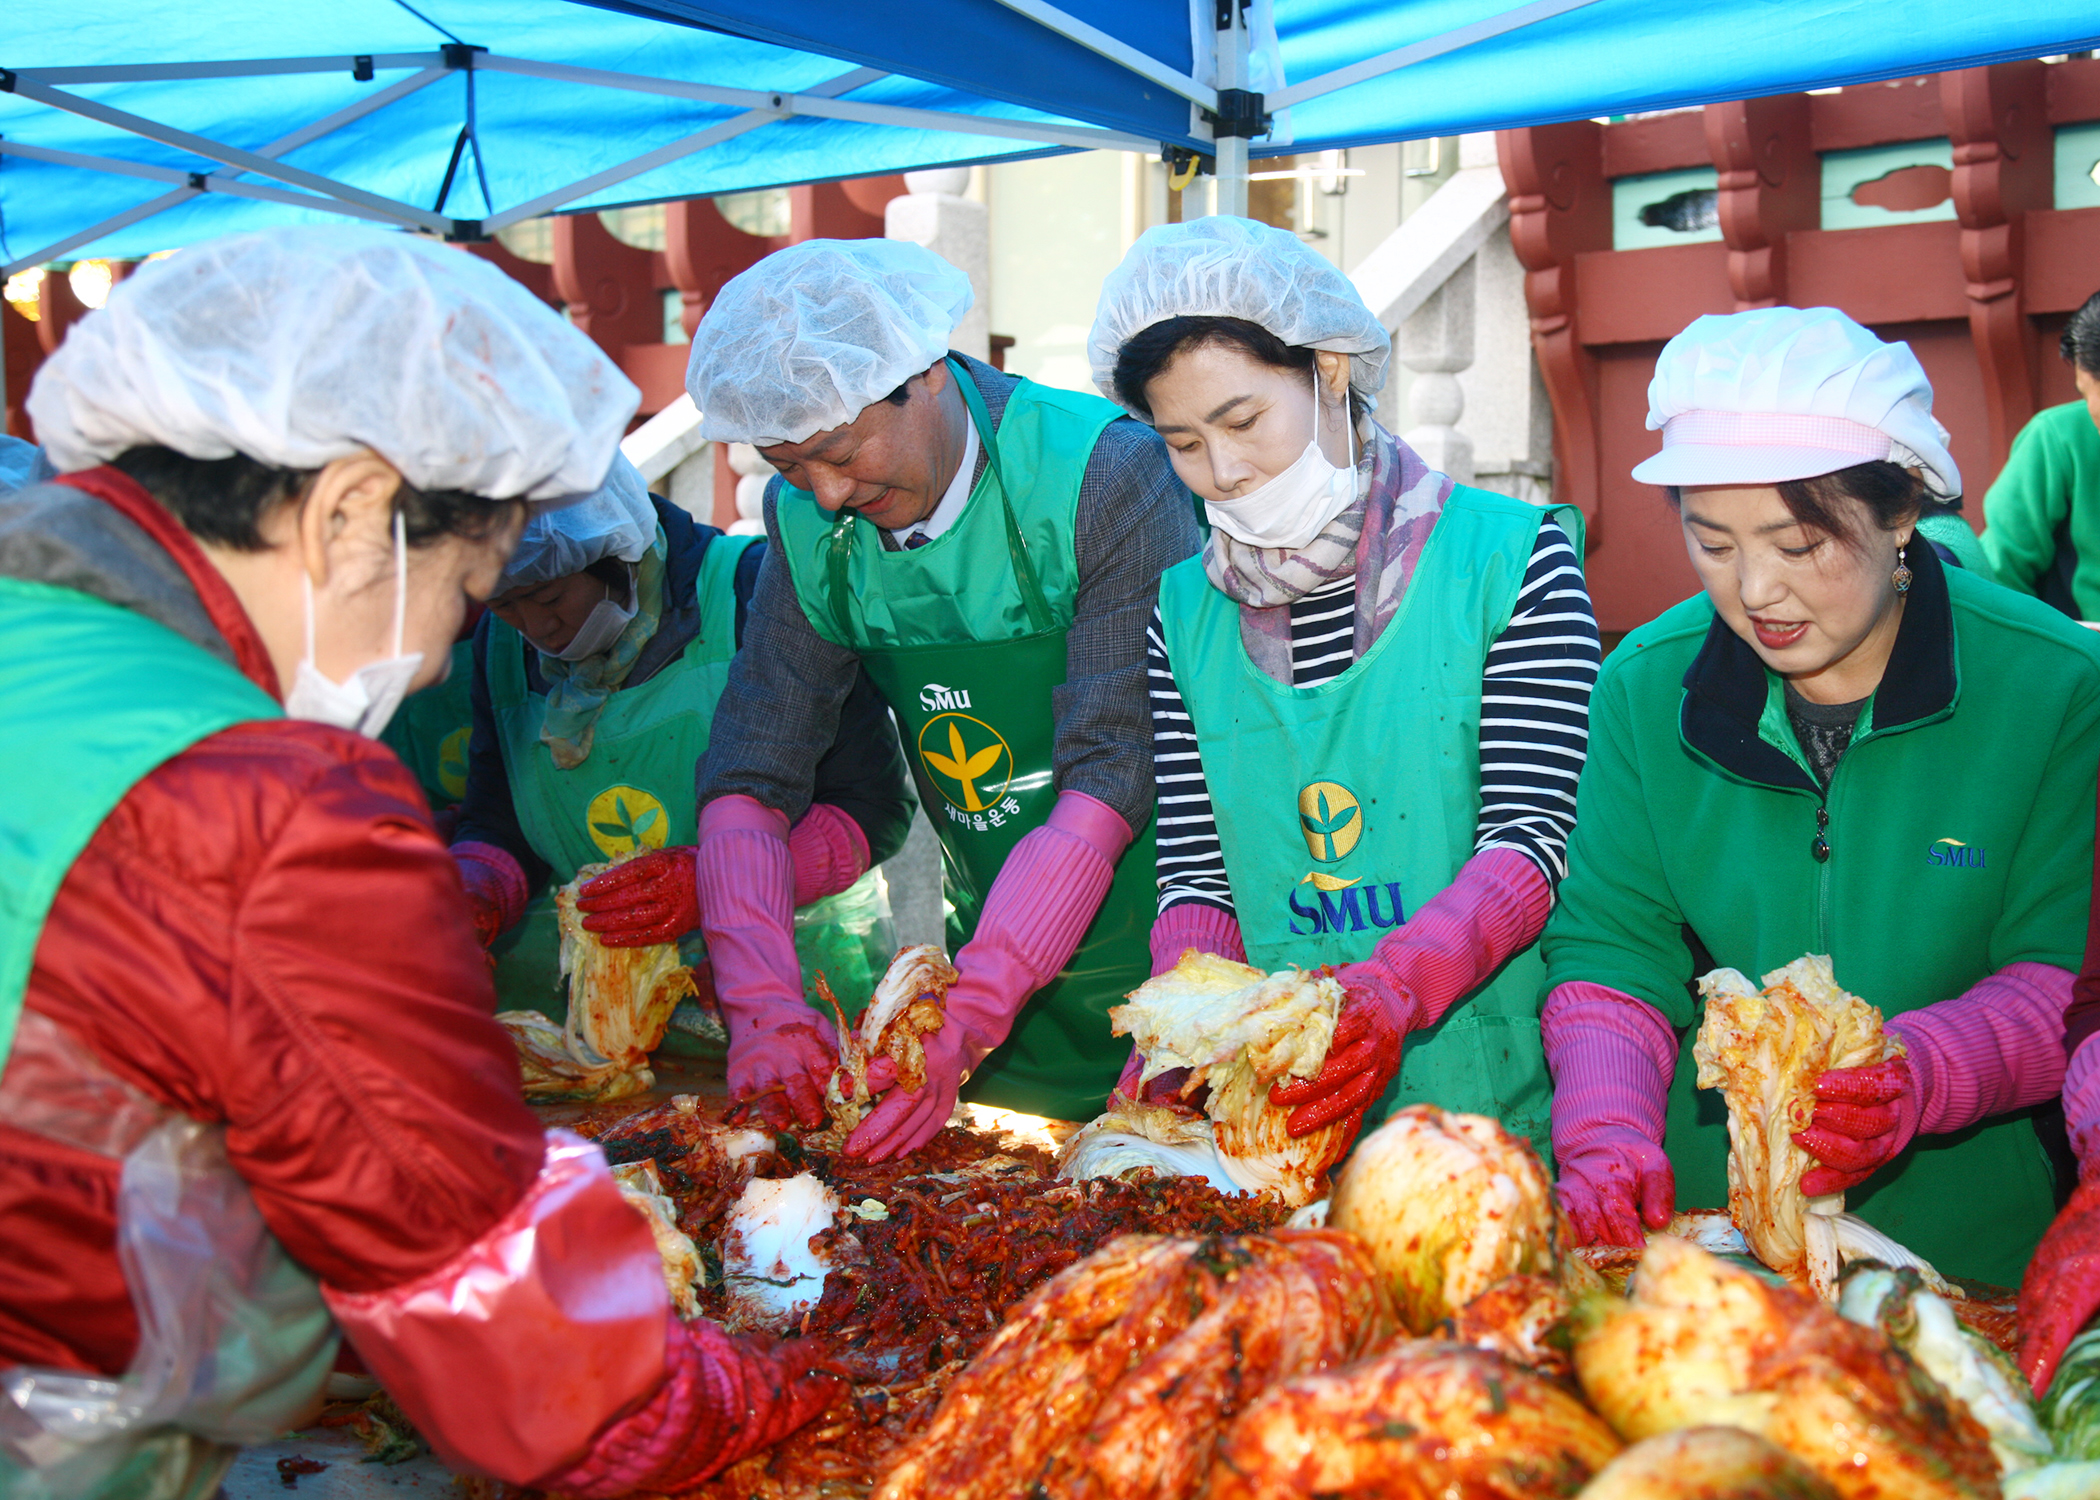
849, 938
235, 1343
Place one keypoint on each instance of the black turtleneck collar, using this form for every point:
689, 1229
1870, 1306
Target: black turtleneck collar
1726, 686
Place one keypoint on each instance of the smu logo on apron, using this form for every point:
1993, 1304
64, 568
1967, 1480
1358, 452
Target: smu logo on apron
623, 819
1331, 818
968, 762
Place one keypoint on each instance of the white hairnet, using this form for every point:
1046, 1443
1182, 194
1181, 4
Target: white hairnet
298, 346
1782, 393
1223, 267
616, 521
812, 335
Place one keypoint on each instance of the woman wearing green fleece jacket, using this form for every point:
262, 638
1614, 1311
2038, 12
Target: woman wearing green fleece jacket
2043, 513
1841, 747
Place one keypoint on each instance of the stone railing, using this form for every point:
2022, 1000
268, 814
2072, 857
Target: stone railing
1447, 285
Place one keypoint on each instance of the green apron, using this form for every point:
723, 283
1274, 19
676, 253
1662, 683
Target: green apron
965, 639
431, 730
1342, 807
636, 791
235, 1341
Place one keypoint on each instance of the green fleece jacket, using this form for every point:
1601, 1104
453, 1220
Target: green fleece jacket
1959, 828
2049, 489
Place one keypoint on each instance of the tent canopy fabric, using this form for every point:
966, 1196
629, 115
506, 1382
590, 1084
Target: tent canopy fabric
189, 118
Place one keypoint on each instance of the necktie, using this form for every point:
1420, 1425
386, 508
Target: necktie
916, 540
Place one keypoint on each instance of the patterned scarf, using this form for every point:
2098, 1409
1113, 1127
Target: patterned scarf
1378, 541
577, 690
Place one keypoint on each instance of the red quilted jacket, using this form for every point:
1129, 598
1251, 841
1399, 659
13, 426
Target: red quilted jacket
266, 932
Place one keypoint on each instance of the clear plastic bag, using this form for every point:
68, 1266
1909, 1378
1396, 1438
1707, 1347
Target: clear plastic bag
849, 938
235, 1343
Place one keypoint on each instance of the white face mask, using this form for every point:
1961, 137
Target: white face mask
374, 690
600, 628
1294, 507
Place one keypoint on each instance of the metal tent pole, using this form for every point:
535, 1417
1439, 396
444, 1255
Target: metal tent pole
1232, 82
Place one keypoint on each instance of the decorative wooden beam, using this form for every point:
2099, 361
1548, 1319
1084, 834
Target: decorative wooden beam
2004, 168
1560, 207
1770, 184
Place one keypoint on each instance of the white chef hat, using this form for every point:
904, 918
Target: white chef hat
811, 336
1783, 393
616, 521
301, 345
1224, 267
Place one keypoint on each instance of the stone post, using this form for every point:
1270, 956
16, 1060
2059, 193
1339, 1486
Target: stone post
934, 213
1436, 343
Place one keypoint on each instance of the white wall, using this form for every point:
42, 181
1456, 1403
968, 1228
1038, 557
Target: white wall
1058, 227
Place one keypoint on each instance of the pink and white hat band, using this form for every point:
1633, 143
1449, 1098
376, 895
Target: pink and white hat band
1777, 429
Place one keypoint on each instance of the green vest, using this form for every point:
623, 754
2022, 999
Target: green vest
1342, 807
636, 791
98, 697
432, 729
1959, 841
965, 639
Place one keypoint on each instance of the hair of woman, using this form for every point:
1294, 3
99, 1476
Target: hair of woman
223, 500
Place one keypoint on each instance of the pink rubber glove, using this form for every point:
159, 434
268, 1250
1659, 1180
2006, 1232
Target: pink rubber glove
1198, 925
2082, 1107
829, 850
781, 1053
496, 887
1495, 905
1995, 1048
1185, 925
1036, 912
1612, 1058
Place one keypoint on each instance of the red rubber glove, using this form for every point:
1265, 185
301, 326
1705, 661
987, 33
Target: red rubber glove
652, 898
725, 1398
1864, 1119
1362, 1059
2062, 1289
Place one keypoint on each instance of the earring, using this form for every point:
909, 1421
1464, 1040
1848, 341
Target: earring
1902, 575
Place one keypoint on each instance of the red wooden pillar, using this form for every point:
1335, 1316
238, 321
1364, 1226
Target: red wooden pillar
608, 286
2003, 167
703, 251
841, 210
1560, 207
57, 309
22, 352
1770, 184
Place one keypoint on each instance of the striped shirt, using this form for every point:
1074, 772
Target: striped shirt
1534, 723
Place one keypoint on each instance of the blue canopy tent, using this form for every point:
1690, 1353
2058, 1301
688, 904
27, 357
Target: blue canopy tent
187, 118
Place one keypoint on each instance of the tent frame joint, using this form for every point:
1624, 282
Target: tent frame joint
459, 55
361, 68
467, 232
7, 80
1239, 115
